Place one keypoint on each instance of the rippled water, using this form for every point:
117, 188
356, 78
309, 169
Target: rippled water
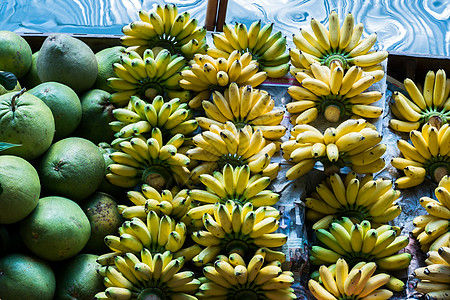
421, 27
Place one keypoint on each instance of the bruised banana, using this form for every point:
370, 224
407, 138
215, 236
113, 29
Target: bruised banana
334, 93
428, 155
337, 43
165, 28
352, 144
268, 49
430, 105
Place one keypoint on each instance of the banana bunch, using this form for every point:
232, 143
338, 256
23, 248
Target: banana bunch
362, 199
232, 278
167, 29
149, 161
428, 105
427, 154
152, 232
165, 203
327, 90
342, 283
231, 227
435, 278
269, 50
208, 73
140, 117
433, 230
235, 184
229, 145
341, 44
149, 276
352, 144
359, 242
244, 106
147, 76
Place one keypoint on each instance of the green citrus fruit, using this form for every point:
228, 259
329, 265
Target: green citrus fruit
106, 58
78, 278
67, 60
101, 210
96, 116
25, 120
19, 188
15, 53
31, 79
64, 104
4, 90
26, 277
56, 229
73, 167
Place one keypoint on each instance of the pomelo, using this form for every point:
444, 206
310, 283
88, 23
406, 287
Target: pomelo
78, 278
15, 53
96, 116
25, 120
105, 59
101, 210
56, 229
67, 60
31, 79
64, 104
26, 277
19, 188
73, 167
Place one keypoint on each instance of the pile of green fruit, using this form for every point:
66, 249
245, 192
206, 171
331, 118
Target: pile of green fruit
144, 171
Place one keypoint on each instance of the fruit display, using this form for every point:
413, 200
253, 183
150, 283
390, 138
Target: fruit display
352, 144
426, 156
358, 282
164, 28
333, 92
432, 230
430, 105
166, 169
434, 278
209, 74
244, 106
337, 43
268, 49
360, 199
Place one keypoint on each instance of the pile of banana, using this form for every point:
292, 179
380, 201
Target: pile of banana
146, 76
139, 118
360, 199
434, 279
341, 44
151, 161
432, 230
428, 105
244, 106
147, 275
428, 154
232, 278
229, 145
174, 205
361, 242
341, 282
165, 28
233, 228
208, 74
353, 143
268, 50
333, 92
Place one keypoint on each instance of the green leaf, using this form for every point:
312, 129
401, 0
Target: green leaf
8, 80
4, 146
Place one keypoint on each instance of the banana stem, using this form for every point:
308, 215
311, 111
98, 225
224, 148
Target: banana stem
329, 170
435, 121
332, 113
439, 173
158, 177
150, 294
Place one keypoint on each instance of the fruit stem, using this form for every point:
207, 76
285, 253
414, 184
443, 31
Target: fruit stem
435, 121
13, 99
150, 294
157, 177
332, 113
439, 173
